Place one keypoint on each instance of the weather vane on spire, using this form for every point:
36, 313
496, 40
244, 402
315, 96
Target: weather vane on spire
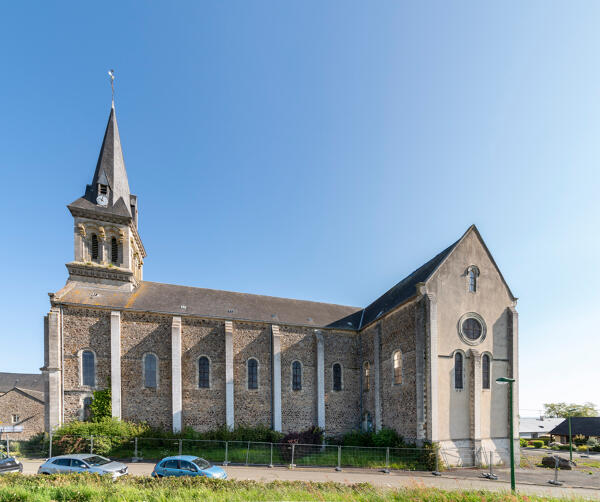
111, 74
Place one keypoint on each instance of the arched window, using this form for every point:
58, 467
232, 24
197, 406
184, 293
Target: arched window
473, 273
88, 368
485, 371
114, 250
458, 371
337, 377
397, 361
86, 411
252, 373
366, 376
367, 422
296, 375
150, 371
204, 373
94, 247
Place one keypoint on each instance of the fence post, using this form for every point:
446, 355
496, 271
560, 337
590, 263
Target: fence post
271, 464
180, 446
50, 445
387, 460
292, 462
7, 445
92, 444
226, 452
135, 450
247, 452
339, 466
555, 481
436, 451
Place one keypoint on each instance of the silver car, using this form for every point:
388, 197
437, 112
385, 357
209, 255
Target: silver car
83, 462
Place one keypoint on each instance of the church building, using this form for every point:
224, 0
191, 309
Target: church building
421, 359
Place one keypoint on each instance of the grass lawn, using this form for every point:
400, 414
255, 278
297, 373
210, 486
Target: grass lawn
18, 488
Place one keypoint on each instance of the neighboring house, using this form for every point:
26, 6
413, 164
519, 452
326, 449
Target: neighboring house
531, 428
421, 359
22, 403
584, 426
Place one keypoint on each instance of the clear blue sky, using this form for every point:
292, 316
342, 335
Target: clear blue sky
315, 150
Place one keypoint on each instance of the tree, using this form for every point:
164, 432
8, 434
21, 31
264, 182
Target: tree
101, 406
559, 410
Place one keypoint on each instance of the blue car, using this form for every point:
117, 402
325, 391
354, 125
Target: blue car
187, 465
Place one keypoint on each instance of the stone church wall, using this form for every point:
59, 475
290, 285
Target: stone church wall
203, 409
142, 334
399, 401
84, 328
252, 407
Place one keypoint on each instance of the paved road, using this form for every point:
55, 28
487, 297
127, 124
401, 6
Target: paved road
448, 481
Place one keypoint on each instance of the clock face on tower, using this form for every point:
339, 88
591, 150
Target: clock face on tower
102, 200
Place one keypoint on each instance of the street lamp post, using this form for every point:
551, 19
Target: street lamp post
570, 412
510, 381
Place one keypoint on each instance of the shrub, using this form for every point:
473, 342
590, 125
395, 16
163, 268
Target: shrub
523, 442
536, 443
579, 439
384, 438
313, 435
101, 405
582, 448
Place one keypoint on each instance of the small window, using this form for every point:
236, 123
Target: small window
88, 368
94, 247
337, 377
252, 373
397, 361
187, 466
114, 248
458, 371
170, 464
366, 376
87, 409
78, 463
485, 371
150, 371
204, 373
473, 274
15, 419
296, 375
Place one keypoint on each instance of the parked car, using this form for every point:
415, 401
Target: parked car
187, 465
83, 462
9, 464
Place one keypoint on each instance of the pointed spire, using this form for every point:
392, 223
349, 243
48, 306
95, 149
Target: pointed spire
110, 169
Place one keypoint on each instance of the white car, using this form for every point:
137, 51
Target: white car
83, 462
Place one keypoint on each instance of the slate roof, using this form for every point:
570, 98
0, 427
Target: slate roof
405, 289
110, 170
169, 298
587, 426
535, 425
27, 381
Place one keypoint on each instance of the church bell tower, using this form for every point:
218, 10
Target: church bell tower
108, 248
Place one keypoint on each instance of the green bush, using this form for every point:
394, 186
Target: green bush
384, 438
523, 442
537, 443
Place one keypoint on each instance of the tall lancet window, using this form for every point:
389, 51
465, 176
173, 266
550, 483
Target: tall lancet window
150, 371
458, 371
252, 373
88, 368
296, 375
204, 373
114, 247
473, 274
485, 371
94, 247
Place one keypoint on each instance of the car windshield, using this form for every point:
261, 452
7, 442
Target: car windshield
200, 462
97, 460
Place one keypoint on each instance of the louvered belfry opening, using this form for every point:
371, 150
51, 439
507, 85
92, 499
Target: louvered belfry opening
114, 250
94, 247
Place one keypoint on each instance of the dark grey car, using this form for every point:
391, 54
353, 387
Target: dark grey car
83, 462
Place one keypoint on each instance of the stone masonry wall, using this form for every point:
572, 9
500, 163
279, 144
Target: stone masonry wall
342, 407
398, 401
203, 409
252, 407
142, 334
29, 410
84, 328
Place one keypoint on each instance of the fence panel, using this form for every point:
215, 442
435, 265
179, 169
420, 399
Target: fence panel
213, 451
456, 458
359, 456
